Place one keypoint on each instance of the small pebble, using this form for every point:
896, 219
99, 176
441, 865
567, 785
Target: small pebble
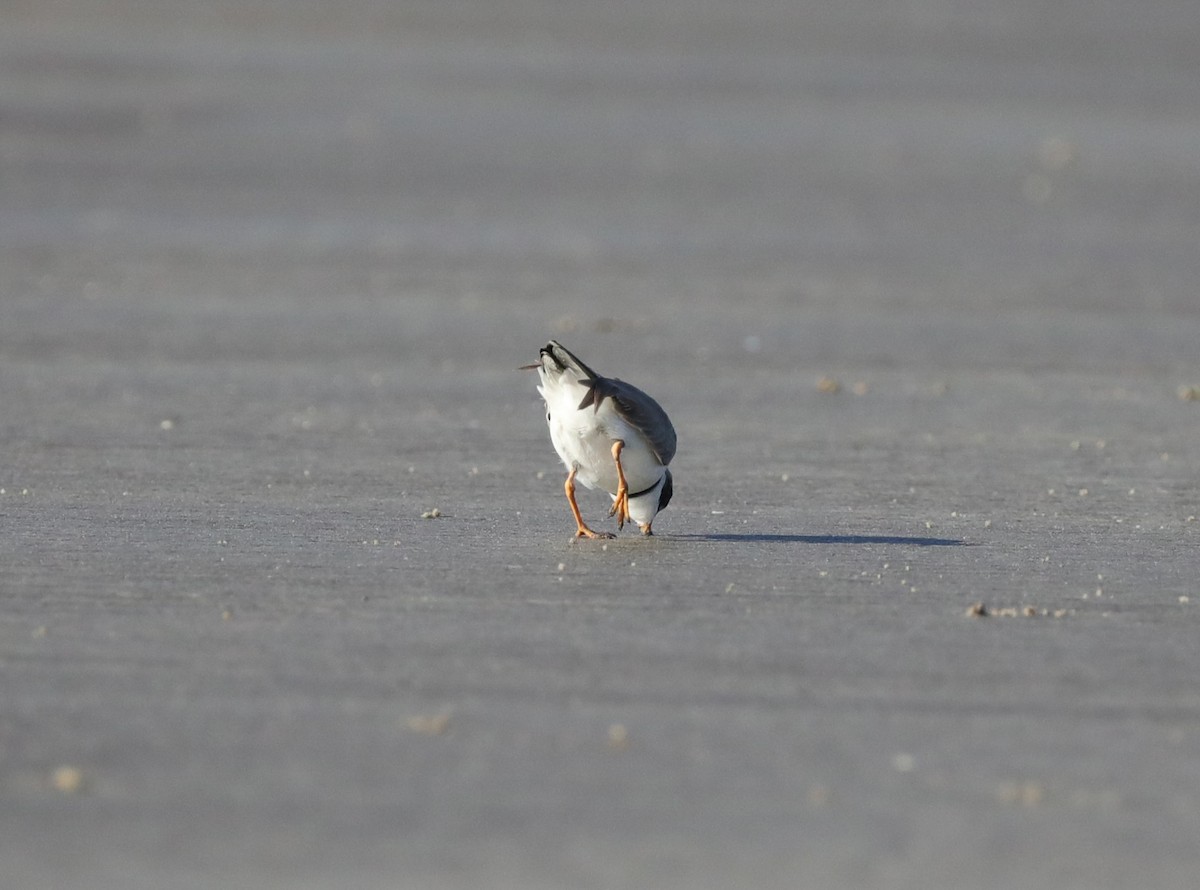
618, 737
1057, 153
67, 779
1027, 794
429, 725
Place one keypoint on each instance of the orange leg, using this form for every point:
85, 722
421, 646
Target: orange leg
620, 507
581, 529
646, 529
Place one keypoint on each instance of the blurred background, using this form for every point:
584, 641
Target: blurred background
616, 164
906, 276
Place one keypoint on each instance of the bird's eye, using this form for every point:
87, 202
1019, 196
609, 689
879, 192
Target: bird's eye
547, 417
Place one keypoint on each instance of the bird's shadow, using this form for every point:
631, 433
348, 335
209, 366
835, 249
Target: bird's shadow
765, 538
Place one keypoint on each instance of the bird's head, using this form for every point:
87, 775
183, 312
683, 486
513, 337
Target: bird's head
645, 507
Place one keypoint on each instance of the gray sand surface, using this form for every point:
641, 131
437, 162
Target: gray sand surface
919, 287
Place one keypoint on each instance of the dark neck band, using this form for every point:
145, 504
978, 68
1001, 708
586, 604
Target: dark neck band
638, 494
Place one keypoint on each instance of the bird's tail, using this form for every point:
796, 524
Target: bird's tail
567, 360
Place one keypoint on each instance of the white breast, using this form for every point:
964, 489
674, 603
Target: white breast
584, 440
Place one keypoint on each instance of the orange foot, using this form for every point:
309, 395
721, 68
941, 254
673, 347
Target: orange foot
584, 532
581, 529
620, 507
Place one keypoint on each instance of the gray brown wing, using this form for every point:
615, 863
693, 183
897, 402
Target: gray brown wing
639, 410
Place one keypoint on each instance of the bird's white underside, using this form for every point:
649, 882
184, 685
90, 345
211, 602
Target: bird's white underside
584, 438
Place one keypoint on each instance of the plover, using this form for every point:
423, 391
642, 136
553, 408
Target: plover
610, 435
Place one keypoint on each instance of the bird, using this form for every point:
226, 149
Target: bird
610, 435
